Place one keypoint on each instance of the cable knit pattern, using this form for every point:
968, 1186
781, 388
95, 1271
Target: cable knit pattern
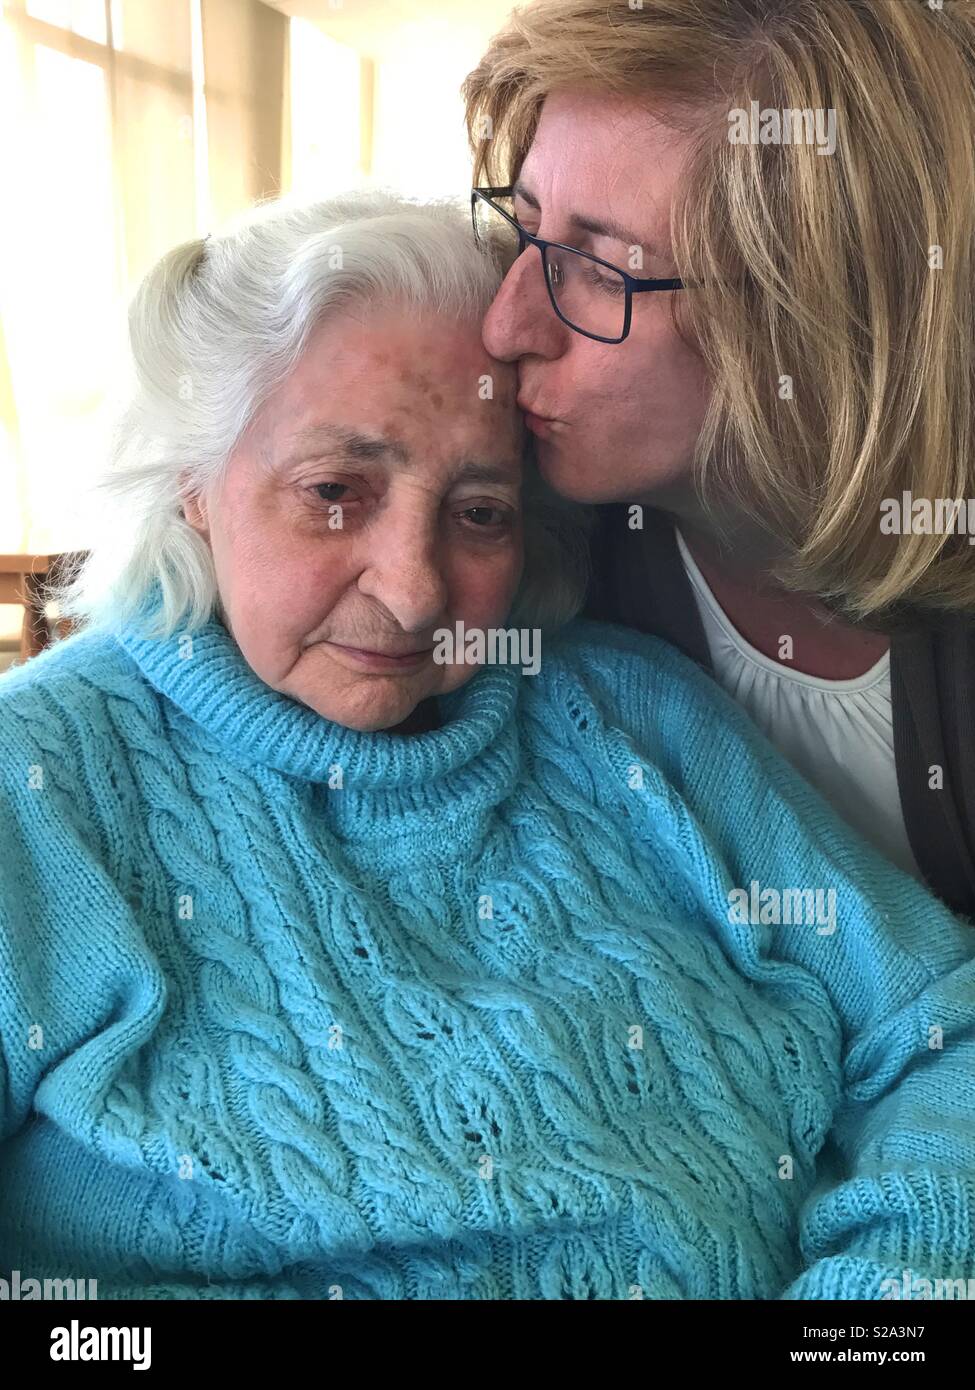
290, 1011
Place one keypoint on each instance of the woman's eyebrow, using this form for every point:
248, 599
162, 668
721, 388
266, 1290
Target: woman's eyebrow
596, 225
366, 448
371, 448
476, 471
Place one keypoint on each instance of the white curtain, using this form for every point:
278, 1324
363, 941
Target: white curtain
126, 126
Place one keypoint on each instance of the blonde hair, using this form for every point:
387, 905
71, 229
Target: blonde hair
804, 266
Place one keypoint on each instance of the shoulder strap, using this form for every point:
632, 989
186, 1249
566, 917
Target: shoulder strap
932, 678
639, 581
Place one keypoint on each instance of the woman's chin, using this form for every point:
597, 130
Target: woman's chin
369, 701
371, 712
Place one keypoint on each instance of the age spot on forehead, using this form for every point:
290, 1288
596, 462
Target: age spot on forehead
417, 383
396, 427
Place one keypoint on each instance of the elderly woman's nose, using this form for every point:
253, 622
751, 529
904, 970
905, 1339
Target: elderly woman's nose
405, 572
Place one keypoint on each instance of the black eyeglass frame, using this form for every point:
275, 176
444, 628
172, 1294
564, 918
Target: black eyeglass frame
632, 284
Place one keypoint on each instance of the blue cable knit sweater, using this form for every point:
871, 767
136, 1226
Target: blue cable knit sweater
292, 1011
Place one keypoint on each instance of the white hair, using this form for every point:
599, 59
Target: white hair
214, 328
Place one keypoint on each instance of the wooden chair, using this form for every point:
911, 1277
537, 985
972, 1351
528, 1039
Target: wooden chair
22, 580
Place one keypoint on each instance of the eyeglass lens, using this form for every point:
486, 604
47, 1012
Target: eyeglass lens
590, 296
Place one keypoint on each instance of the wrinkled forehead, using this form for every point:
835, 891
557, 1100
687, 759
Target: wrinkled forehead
423, 353
453, 374
426, 383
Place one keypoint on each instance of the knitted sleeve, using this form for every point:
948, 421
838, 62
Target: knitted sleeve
894, 1210
66, 925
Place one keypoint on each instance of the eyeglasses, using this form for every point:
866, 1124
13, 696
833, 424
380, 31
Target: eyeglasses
590, 295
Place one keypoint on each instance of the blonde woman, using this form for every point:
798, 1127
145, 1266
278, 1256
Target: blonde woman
783, 433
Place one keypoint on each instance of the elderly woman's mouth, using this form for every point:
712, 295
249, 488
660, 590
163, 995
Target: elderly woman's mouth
382, 660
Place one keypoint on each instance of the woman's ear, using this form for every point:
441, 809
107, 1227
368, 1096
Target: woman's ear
195, 512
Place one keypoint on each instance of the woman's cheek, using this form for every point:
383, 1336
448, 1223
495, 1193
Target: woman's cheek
484, 589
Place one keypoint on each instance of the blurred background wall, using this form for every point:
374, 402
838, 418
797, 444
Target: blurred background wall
130, 125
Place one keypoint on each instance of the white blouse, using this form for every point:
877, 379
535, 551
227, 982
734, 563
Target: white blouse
838, 734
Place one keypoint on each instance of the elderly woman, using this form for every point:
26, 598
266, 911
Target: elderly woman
335, 964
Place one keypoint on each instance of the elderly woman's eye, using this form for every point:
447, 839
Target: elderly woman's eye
329, 492
488, 518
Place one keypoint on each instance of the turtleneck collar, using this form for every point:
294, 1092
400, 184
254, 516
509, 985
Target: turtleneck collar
218, 690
